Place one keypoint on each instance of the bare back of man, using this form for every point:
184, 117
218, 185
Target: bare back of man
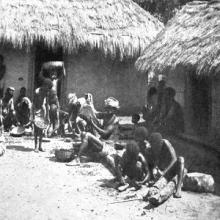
166, 161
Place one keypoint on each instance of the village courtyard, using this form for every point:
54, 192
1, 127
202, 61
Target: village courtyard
132, 85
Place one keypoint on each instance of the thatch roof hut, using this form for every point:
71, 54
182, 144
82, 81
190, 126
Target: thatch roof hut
191, 38
97, 40
115, 26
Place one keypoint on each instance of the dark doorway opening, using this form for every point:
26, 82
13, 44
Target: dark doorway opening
201, 104
43, 54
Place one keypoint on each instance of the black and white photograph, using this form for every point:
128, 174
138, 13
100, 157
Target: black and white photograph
109, 110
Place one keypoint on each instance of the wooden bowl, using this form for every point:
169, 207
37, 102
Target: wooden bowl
17, 131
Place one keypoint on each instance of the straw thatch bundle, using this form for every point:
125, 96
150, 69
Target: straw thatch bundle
115, 26
191, 38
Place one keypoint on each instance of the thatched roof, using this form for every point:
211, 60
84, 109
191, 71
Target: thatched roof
191, 38
111, 25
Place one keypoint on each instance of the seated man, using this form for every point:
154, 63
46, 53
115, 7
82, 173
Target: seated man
24, 112
94, 145
21, 95
133, 165
166, 163
8, 110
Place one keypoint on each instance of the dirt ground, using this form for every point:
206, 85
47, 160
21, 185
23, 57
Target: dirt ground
36, 186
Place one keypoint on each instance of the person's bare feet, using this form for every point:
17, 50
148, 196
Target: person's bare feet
75, 162
123, 187
41, 149
177, 195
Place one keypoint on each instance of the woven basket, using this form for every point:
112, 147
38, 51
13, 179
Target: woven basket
64, 155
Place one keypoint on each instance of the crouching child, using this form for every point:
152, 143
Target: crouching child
132, 165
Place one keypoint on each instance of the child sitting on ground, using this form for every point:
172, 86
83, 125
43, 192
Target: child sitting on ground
141, 136
133, 165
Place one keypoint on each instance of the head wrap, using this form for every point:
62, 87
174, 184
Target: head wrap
11, 88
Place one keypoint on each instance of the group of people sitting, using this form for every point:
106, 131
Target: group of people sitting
147, 159
144, 161
79, 118
162, 112
15, 113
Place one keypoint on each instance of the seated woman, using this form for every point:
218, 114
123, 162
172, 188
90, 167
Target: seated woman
75, 123
21, 95
24, 112
133, 165
93, 145
8, 110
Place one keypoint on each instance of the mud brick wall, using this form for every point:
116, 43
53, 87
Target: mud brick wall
103, 77
17, 66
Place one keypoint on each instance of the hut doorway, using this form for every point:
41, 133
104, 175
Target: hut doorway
201, 105
44, 54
